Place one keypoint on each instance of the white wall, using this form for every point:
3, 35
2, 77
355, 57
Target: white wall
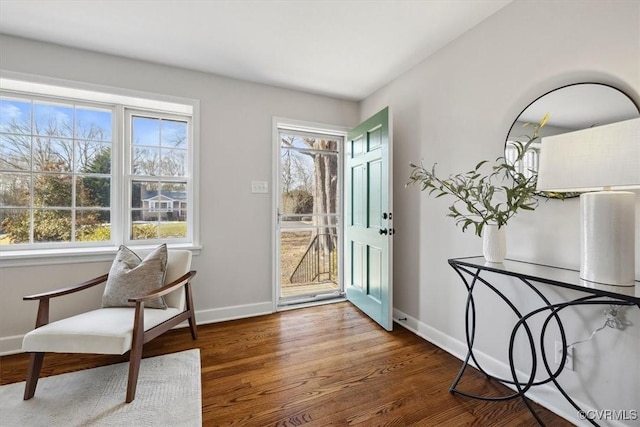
455, 108
234, 267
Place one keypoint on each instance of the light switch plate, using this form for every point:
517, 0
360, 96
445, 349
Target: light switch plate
259, 187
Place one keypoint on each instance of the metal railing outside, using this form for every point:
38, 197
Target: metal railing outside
320, 261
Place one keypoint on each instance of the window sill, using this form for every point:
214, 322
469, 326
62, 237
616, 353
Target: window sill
73, 255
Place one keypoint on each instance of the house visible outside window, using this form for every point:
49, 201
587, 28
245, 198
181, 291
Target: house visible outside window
60, 179
155, 206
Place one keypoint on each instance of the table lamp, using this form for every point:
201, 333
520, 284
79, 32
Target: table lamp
599, 161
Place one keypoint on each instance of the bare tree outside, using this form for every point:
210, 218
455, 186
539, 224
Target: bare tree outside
56, 179
48, 153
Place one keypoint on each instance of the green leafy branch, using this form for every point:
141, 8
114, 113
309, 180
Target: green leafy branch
484, 196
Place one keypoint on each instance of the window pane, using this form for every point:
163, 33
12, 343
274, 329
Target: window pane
93, 226
141, 190
174, 163
166, 202
174, 229
15, 116
309, 257
297, 180
52, 190
159, 210
14, 226
175, 190
51, 225
146, 161
15, 152
14, 189
93, 157
174, 134
93, 192
53, 120
93, 124
145, 131
52, 155
309, 183
143, 230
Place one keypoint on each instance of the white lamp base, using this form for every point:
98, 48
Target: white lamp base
607, 240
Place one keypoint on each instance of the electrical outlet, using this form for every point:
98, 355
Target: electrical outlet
558, 356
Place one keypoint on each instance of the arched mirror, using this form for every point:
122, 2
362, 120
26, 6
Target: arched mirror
570, 108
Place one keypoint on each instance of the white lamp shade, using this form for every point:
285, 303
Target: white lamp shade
592, 159
599, 158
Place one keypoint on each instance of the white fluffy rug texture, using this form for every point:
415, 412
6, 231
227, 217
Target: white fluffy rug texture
168, 394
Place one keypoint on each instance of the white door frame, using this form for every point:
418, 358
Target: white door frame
305, 126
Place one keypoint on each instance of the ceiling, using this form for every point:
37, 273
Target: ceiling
346, 49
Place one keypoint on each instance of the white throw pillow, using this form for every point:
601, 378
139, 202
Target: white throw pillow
132, 277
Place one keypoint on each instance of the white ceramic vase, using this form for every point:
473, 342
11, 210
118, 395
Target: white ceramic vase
494, 243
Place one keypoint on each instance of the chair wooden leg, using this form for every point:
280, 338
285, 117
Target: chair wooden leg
135, 356
134, 369
192, 326
33, 373
192, 312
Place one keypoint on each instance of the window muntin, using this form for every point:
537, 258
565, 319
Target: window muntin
58, 173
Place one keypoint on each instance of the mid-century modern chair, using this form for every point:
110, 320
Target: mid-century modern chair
112, 330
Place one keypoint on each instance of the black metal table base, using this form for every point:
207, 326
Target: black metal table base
469, 270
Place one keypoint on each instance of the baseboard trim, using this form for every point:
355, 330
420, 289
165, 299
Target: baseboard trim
13, 344
223, 314
545, 395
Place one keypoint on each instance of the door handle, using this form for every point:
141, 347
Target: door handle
383, 231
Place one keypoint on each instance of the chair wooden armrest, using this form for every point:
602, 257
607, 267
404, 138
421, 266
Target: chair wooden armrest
176, 284
67, 290
42, 317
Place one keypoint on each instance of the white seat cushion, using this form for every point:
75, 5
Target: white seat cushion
102, 331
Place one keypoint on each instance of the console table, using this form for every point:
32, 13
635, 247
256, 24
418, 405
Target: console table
475, 270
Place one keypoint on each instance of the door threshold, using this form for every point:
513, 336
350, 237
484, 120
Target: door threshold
303, 304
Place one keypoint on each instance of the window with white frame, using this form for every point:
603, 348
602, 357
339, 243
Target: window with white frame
158, 175
60, 179
529, 162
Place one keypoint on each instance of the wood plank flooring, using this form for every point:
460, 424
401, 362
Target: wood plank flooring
319, 366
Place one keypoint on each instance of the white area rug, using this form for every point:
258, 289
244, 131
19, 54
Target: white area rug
168, 394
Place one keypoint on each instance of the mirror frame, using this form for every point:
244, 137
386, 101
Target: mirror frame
518, 117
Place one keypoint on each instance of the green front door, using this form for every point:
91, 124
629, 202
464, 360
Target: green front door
369, 218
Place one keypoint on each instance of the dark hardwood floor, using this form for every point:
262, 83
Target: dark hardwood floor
326, 365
